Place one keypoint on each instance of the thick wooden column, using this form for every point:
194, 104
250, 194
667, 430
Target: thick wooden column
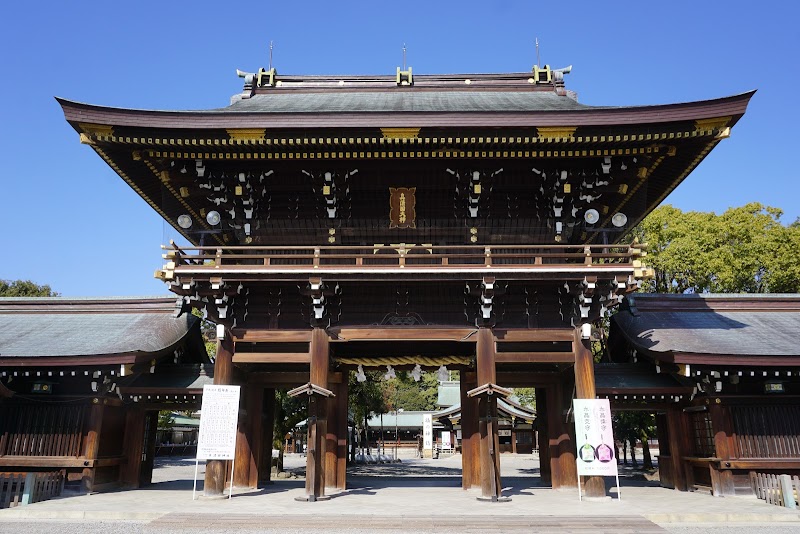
594, 486
317, 425
722, 425
563, 471
487, 412
331, 437
133, 447
677, 431
514, 435
223, 375
543, 436
264, 471
470, 436
665, 475
91, 441
151, 426
342, 394
244, 450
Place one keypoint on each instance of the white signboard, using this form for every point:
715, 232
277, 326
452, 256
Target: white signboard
446, 440
594, 438
505, 432
218, 417
427, 432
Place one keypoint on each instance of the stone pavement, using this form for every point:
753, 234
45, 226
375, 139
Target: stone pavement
423, 495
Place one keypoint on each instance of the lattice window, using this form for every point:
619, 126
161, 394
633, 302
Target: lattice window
703, 434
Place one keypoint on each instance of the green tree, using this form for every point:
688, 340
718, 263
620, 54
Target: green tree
209, 333
403, 392
746, 249
25, 288
288, 412
365, 399
526, 396
165, 419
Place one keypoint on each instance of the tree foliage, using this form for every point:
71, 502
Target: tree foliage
746, 249
25, 288
404, 393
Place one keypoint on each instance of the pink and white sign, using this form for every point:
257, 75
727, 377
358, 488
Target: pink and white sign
594, 437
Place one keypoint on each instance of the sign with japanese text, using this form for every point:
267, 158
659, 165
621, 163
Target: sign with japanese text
219, 414
427, 432
402, 207
594, 437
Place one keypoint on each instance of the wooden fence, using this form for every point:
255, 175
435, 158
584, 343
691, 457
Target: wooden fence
767, 487
18, 489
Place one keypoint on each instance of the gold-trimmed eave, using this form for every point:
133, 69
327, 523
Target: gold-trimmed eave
719, 136
163, 177
410, 154
122, 174
257, 138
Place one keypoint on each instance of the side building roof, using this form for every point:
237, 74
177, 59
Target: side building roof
719, 328
120, 329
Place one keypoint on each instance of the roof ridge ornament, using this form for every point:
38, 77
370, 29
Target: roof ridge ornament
543, 75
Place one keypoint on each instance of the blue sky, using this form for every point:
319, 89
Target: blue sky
70, 222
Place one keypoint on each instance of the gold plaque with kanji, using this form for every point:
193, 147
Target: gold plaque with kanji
402, 207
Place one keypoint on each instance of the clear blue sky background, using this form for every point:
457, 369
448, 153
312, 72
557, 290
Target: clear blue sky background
69, 221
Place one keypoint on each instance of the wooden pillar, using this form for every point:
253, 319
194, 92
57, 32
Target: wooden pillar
470, 436
563, 471
331, 438
151, 424
317, 423
244, 442
543, 436
342, 394
487, 412
514, 435
251, 436
91, 441
665, 474
264, 471
594, 486
722, 425
223, 375
676, 429
133, 447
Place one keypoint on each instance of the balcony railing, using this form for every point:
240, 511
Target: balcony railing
398, 258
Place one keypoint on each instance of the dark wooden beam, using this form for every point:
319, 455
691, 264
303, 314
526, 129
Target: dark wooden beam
534, 357
272, 357
402, 334
276, 336
534, 335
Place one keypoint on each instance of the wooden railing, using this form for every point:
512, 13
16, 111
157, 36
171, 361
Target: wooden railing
400, 256
18, 489
767, 487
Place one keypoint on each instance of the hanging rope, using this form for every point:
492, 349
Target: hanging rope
425, 361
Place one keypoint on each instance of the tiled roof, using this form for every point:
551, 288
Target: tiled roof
55, 327
634, 378
743, 325
406, 101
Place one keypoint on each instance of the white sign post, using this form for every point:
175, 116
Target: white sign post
594, 438
219, 415
427, 433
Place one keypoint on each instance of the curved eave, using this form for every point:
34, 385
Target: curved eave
734, 106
